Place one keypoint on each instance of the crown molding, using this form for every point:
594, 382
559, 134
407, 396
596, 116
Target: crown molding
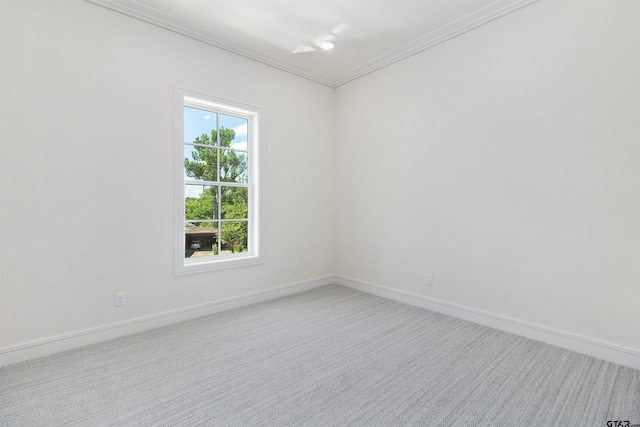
153, 16
460, 26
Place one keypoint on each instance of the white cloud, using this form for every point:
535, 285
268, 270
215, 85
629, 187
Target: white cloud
239, 145
241, 130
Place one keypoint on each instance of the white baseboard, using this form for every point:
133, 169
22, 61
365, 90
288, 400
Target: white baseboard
591, 347
580, 344
60, 343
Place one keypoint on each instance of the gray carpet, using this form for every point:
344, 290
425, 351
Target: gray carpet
329, 356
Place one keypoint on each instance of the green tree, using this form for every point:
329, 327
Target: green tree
234, 206
212, 160
204, 162
203, 207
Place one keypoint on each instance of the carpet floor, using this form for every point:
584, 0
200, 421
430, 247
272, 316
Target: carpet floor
331, 356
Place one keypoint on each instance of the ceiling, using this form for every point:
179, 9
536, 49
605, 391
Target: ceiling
368, 34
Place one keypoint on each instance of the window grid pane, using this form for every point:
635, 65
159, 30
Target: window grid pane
201, 202
234, 166
201, 238
200, 162
233, 237
200, 126
234, 202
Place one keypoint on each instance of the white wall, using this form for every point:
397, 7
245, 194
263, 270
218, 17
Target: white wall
507, 163
504, 161
87, 163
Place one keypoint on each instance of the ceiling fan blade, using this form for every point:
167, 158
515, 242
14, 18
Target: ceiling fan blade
303, 49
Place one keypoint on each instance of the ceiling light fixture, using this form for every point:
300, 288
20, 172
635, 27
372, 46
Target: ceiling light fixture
327, 45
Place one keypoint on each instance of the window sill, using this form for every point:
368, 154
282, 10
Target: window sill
193, 266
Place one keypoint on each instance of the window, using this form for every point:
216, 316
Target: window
217, 171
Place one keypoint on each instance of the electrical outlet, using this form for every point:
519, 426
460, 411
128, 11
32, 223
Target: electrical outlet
296, 267
430, 279
121, 298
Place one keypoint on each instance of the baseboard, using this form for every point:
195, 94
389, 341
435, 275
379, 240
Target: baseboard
60, 343
591, 347
580, 344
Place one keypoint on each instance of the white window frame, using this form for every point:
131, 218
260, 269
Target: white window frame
255, 141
